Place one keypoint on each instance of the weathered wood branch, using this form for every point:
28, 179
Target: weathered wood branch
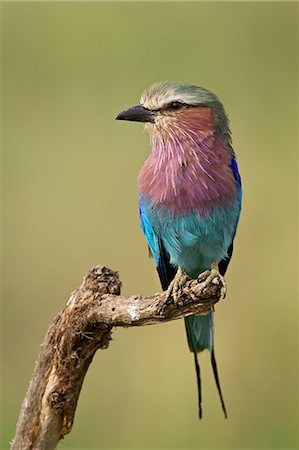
76, 333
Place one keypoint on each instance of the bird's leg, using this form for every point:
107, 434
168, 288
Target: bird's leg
213, 273
176, 285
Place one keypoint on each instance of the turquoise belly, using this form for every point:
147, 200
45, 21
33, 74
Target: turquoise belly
193, 241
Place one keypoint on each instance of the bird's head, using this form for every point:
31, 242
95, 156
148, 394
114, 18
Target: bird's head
170, 108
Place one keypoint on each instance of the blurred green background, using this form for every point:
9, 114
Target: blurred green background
70, 202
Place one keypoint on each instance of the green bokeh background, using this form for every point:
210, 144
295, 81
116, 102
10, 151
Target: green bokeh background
70, 202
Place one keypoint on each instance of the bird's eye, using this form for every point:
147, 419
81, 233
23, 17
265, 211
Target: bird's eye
175, 105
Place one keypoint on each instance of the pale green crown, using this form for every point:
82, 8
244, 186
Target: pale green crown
159, 95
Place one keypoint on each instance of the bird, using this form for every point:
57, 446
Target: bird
190, 196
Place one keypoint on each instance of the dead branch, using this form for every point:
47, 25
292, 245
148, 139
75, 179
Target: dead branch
76, 333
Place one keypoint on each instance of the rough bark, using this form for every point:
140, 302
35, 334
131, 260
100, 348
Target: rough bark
76, 333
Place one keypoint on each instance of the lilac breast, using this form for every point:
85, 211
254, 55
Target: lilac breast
188, 176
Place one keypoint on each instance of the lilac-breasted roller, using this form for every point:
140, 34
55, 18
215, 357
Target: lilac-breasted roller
190, 194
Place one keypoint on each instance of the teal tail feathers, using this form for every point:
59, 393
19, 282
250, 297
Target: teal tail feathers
200, 336
199, 332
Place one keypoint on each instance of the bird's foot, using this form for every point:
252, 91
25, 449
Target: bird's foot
213, 276
175, 288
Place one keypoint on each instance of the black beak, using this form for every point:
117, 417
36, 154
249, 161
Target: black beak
137, 114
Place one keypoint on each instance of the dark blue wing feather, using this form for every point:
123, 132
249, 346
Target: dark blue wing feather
165, 270
223, 264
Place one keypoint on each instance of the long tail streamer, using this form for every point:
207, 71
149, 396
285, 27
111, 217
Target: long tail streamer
197, 368
216, 376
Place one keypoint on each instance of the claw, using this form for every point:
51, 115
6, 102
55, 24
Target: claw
175, 287
213, 277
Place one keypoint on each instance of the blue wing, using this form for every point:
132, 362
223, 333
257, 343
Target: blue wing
165, 270
223, 264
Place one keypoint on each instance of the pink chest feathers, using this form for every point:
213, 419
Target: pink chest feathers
188, 175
